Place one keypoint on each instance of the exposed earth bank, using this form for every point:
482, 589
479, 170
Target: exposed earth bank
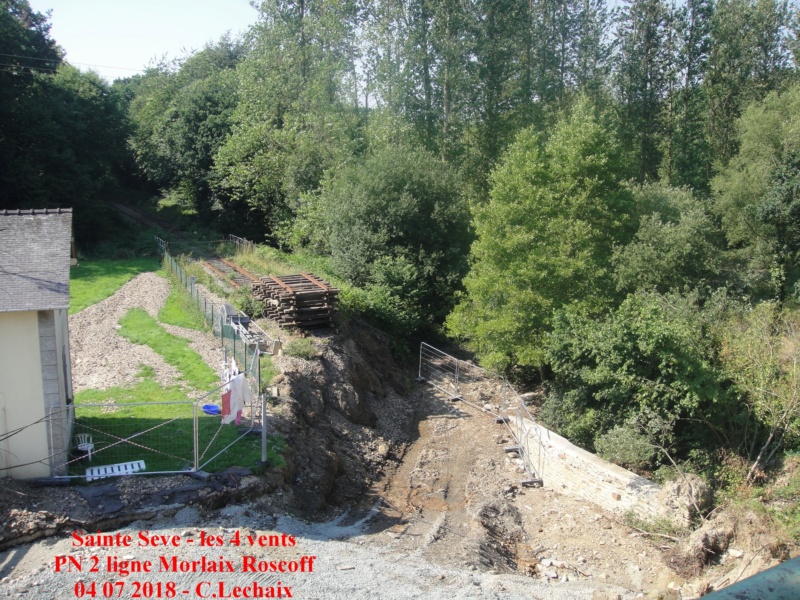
397, 491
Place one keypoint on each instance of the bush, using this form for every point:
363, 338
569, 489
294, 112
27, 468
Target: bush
397, 224
652, 359
301, 348
625, 446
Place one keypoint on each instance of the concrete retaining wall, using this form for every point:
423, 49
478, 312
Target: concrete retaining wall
569, 469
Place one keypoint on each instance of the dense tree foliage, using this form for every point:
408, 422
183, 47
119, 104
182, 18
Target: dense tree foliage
575, 192
673, 376
181, 118
397, 224
62, 132
676, 243
545, 237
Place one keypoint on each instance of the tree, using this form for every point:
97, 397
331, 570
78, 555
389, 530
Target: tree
396, 221
62, 132
753, 195
293, 119
675, 246
182, 115
545, 238
761, 353
643, 67
749, 58
686, 156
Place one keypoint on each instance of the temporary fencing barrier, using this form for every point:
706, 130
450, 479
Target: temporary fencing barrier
155, 437
466, 382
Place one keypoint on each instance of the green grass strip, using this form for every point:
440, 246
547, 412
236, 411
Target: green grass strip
180, 309
140, 328
96, 280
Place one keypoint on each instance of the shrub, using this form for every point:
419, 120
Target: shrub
301, 348
625, 446
652, 359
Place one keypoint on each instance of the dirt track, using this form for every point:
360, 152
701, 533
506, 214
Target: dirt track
456, 499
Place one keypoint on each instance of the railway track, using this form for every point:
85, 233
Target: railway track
141, 219
229, 272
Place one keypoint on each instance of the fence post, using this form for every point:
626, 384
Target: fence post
263, 397
196, 439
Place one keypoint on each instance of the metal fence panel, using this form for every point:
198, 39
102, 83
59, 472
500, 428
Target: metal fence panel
91, 441
157, 435
470, 383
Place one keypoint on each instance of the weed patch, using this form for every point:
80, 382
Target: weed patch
301, 348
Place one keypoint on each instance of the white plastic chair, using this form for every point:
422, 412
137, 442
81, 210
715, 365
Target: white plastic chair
85, 444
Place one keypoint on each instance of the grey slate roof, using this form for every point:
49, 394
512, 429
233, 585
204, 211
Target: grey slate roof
34, 259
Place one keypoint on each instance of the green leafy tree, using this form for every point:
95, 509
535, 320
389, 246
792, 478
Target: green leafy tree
62, 132
293, 119
545, 238
644, 67
675, 246
749, 57
182, 115
754, 194
780, 210
396, 222
686, 158
651, 357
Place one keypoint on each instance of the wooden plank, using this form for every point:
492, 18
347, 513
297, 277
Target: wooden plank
283, 285
315, 281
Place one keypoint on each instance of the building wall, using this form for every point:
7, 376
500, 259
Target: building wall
21, 397
57, 381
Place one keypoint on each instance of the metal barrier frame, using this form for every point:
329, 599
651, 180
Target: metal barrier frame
257, 417
446, 373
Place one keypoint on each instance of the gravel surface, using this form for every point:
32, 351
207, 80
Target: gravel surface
345, 566
101, 358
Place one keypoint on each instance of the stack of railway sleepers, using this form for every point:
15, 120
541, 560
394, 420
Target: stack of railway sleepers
302, 300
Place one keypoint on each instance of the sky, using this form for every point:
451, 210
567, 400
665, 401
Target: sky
119, 38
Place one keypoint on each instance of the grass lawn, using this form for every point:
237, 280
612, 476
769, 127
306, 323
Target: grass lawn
94, 280
161, 434
140, 328
151, 422
180, 309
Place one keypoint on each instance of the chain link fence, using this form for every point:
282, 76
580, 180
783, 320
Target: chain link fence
239, 336
127, 438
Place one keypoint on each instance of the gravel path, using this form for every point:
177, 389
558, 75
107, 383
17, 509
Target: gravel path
101, 358
344, 566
